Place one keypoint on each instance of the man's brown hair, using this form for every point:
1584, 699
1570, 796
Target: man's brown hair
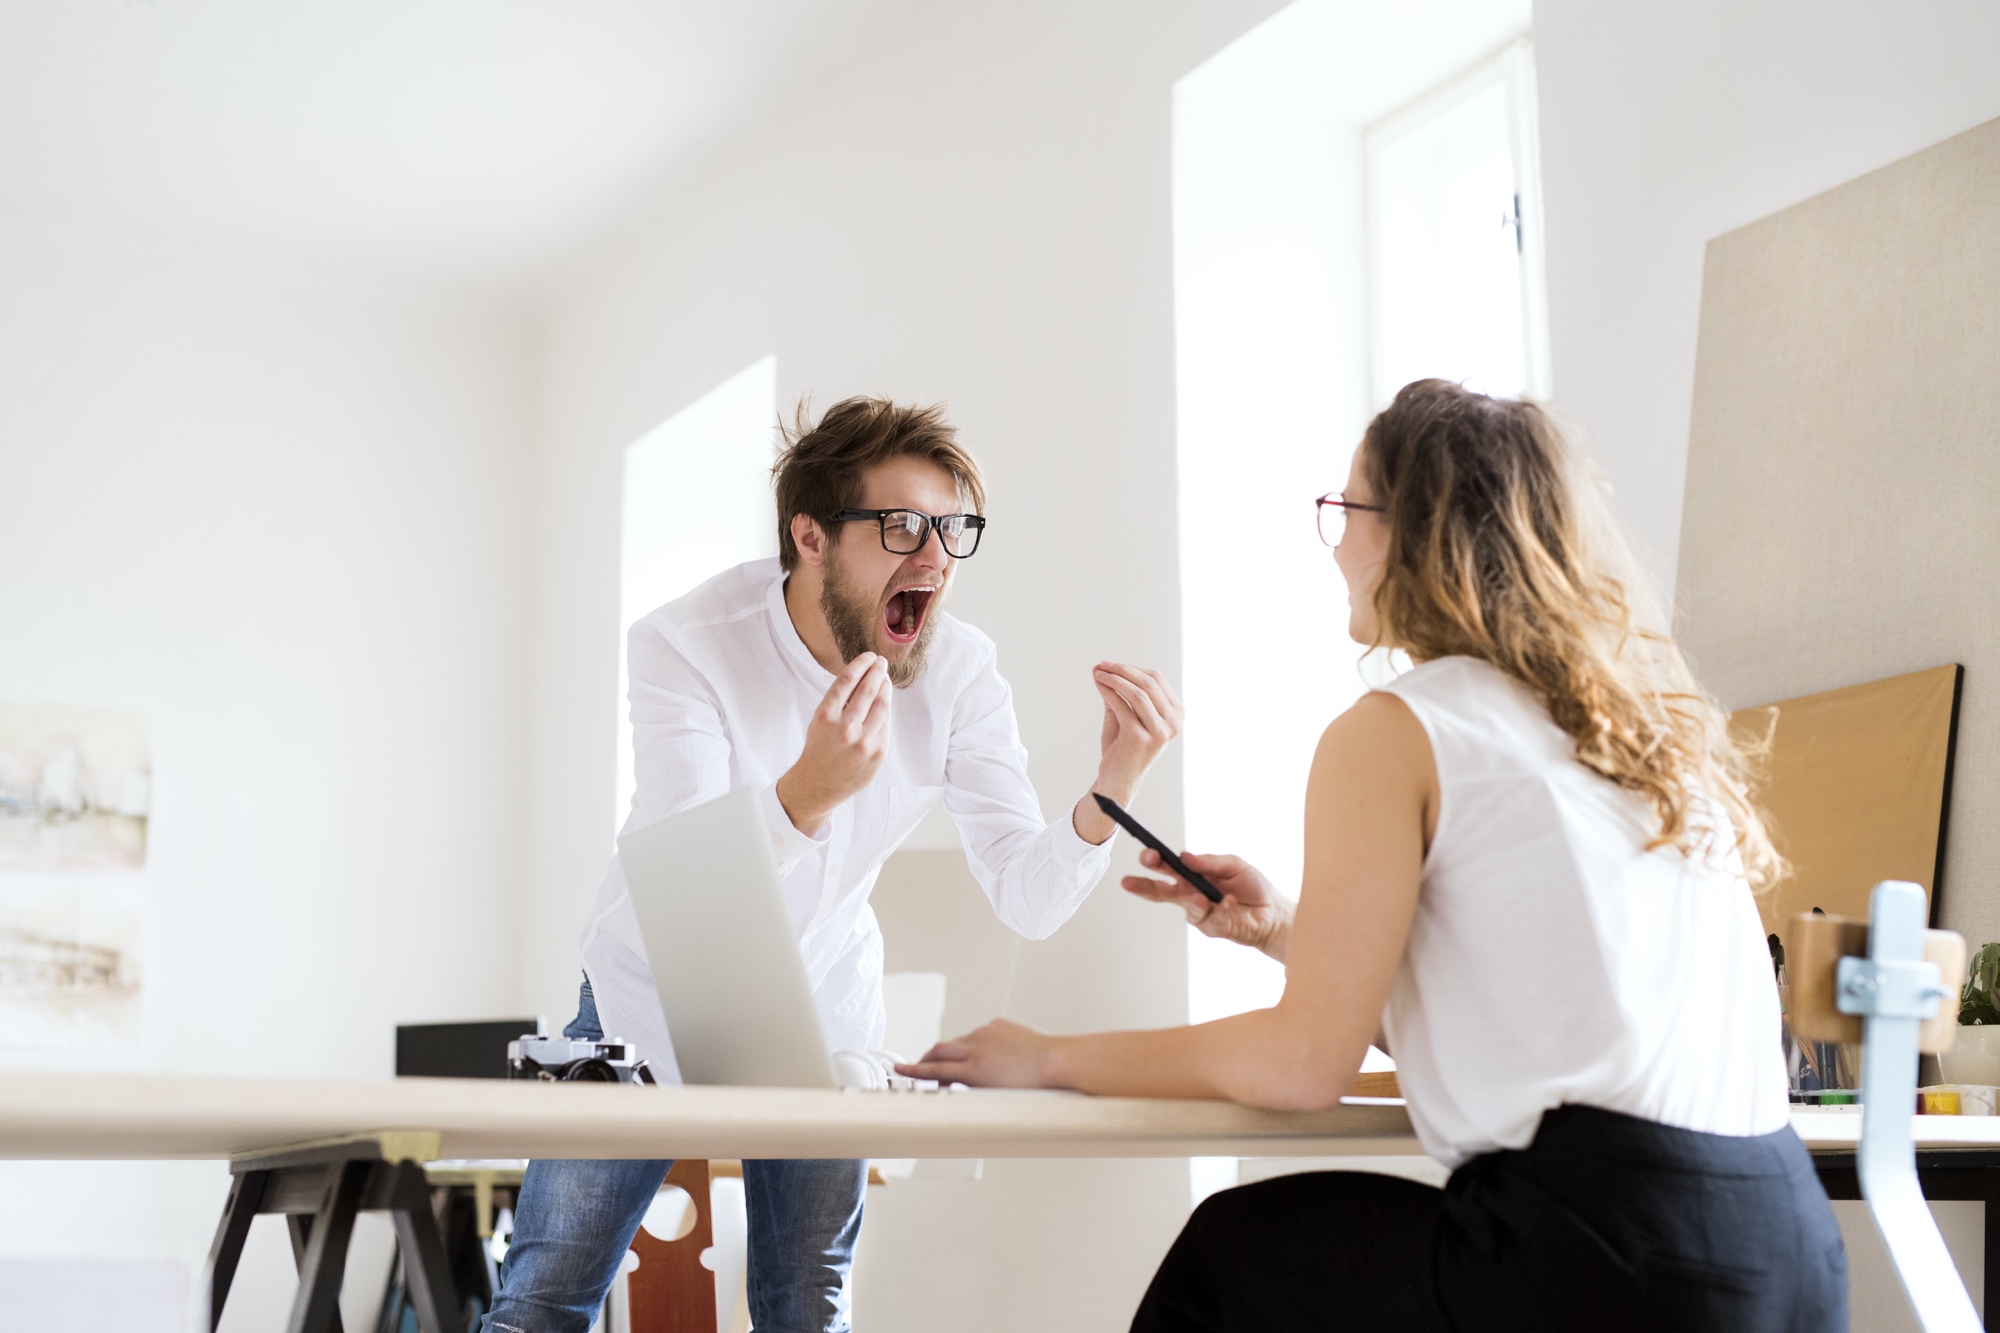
819, 467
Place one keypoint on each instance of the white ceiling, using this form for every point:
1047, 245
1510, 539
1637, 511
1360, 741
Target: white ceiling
1350, 62
467, 139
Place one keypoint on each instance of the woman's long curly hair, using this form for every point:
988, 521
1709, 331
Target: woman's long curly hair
1501, 547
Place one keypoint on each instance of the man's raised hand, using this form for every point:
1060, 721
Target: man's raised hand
845, 742
1141, 714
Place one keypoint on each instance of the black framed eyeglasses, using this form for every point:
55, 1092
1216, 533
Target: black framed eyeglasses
1332, 512
904, 531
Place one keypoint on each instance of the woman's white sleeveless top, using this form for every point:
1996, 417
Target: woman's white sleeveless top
1553, 959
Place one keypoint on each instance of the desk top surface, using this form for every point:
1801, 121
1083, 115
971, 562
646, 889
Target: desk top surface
68, 1116
1836, 1131
148, 1116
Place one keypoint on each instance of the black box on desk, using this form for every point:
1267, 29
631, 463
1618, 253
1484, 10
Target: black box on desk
458, 1050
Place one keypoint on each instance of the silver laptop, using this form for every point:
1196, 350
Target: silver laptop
732, 985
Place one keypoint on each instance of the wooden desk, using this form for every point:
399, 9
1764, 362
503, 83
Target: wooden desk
77, 1116
319, 1151
1840, 1131
1958, 1157
73, 1116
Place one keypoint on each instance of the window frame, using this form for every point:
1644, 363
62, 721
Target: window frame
1513, 68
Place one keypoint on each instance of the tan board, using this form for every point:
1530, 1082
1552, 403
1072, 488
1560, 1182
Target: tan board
1857, 788
1843, 471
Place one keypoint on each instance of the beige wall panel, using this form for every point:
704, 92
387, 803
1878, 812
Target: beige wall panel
1842, 519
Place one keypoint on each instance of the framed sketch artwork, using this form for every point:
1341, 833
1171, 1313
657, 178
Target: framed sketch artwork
75, 800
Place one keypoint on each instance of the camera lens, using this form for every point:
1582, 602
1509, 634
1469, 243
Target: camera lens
590, 1071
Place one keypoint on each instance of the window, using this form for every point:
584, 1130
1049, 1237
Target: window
1271, 395
1328, 248
1455, 236
697, 500
1324, 256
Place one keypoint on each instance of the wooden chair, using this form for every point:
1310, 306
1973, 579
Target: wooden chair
671, 1291
1893, 986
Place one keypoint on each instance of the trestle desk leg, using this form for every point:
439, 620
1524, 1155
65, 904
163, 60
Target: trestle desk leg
1992, 1262
245, 1193
319, 1244
425, 1272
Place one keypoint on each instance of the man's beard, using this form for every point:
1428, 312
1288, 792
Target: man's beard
852, 620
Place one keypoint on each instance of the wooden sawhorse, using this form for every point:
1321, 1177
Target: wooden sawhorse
318, 1188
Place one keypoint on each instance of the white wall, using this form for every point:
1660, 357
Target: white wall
977, 212
281, 515
1665, 125
289, 517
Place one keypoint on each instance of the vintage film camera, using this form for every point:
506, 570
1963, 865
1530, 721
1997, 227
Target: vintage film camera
571, 1060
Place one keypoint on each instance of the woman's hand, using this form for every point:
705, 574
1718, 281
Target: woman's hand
1251, 912
999, 1055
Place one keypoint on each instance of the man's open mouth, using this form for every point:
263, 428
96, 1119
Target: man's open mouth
904, 617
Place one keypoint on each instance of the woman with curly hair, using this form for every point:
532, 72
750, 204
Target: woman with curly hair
1529, 874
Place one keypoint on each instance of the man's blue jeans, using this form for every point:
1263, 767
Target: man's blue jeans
575, 1220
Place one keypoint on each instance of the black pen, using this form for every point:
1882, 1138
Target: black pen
1144, 835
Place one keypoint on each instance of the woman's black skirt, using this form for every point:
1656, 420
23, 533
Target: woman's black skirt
1604, 1222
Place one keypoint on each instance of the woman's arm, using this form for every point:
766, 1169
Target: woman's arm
1370, 804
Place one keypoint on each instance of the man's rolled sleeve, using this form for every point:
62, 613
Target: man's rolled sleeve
1087, 861
1035, 873
788, 845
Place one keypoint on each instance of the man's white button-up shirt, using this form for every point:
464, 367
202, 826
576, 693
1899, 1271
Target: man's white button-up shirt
722, 691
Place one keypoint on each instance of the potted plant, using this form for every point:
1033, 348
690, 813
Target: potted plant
1974, 1056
